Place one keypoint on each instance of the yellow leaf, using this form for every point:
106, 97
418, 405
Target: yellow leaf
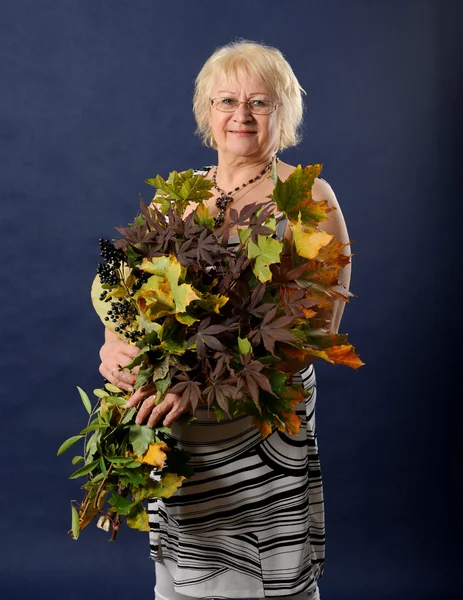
138, 518
155, 455
309, 243
167, 486
157, 265
183, 294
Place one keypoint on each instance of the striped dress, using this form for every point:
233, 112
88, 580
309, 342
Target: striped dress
250, 522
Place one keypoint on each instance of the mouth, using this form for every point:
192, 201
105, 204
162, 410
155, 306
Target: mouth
243, 132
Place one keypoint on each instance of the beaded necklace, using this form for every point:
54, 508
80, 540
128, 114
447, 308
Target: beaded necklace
225, 199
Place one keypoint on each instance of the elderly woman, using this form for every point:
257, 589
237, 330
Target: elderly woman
250, 523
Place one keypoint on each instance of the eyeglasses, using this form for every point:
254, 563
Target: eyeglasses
257, 107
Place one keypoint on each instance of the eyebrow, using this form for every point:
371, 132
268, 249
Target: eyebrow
251, 94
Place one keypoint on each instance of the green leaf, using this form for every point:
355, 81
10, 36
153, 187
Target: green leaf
85, 400
84, 470
133, 477
129, 415
144, 375
99, 393
138, 518
121, 504
266, 252
92, 444
94, 427
116, 401
75, 523
103, 468
244, 346
139, 358
77, 459
120, 460
112, 388
294, 195
68, 443
140, 437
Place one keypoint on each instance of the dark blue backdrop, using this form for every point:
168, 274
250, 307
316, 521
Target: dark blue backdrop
96, 97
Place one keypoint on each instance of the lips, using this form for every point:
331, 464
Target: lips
242, 132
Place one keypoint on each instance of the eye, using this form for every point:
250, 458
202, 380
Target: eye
259, 102
228, 101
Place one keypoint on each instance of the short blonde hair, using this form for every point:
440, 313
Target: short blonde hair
265, 62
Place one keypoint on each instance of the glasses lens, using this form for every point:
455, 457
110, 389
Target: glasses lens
226, 104
259, 107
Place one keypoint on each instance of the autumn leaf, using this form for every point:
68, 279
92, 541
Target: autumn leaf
294, 196
155, 455
138, 518
344, 355
333, 254
167, 486
309, 243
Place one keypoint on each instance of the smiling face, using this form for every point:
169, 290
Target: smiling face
243, 134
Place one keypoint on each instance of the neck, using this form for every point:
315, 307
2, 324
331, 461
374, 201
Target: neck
233, 170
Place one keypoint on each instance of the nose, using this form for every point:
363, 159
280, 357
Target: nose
242, 114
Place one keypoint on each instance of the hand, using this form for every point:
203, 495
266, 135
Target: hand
170, 408
114, 354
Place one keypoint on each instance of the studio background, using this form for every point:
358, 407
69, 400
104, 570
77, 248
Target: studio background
95, 98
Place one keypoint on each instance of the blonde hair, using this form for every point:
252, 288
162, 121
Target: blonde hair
265, 62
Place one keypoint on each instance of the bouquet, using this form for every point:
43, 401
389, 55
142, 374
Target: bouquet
216, 324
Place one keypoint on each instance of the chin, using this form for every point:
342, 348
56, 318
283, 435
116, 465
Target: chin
247, 149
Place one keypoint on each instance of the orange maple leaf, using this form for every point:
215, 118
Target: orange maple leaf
344, 355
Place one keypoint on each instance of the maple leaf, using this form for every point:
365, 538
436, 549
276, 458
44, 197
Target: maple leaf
251, 376
166, 487
295, 195
181, 189
205, 337
220, 391
333, 254
273, 329
345, 355
266, 252
190, 390
309, 243
155, 455
202, 216
297, 304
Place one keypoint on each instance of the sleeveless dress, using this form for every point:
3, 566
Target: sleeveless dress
250, 522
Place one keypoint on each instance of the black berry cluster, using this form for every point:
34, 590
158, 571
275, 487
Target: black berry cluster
142, 277
110, 253
113, 257
123, 310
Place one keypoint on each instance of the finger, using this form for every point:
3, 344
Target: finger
141, 394
149, 407
172, 416
115, 377
130, 350
158, 414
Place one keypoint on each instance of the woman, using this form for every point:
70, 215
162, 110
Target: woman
250, 523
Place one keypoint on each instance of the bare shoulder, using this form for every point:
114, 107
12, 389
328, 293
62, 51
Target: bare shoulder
335, 223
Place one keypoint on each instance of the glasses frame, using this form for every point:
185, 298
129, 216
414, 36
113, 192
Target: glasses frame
275, 106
